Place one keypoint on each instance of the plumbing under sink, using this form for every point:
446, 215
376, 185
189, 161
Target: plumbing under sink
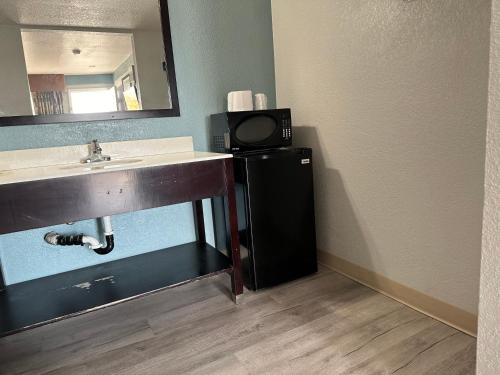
102, 165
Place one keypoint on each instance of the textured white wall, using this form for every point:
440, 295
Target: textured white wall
13, 75
488, 357
392, 96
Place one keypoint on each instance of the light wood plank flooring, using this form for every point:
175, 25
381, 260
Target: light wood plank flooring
325, 324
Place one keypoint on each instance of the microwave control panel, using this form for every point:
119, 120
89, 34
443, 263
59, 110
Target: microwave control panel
286, 128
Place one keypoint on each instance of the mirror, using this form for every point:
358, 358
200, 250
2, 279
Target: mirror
73, 60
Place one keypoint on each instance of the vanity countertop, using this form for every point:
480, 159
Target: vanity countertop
116, 164
57, 162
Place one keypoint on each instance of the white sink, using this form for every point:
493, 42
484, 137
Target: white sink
102, 165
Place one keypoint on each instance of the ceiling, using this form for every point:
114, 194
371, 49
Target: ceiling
51, 52
121, 14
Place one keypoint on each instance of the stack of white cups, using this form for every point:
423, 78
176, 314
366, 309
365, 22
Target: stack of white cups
260, 102
238, 101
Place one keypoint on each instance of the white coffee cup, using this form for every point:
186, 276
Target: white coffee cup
238, 101
260, 102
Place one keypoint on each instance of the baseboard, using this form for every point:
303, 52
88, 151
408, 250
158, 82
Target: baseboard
437, 309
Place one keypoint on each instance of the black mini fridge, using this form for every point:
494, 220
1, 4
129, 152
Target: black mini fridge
275, 202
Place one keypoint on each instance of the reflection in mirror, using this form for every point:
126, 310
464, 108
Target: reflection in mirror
74, 57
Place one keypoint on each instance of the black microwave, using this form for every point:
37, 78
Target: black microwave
234, 132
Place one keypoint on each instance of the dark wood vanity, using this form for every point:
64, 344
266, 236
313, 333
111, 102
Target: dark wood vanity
143, 84
42, 203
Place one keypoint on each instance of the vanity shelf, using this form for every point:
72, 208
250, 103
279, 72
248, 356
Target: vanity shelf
35, 303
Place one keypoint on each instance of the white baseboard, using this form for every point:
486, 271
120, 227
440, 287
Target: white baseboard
437, 309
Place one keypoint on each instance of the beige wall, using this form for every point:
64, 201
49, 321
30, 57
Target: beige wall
392, 96
153, 82
14, 89
488, 358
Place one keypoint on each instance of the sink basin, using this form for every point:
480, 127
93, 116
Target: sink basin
102, 165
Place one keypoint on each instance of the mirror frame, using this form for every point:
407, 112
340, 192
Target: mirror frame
119, 115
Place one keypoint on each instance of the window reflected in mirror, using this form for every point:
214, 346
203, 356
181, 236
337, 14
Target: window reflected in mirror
110, 60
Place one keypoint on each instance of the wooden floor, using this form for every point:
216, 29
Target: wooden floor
326, 324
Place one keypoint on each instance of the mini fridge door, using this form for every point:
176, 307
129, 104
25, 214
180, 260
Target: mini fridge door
276, 195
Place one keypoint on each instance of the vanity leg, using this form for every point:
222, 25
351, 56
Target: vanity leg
236, 273
199, 221
2, 281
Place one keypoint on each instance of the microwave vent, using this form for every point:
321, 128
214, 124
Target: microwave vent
219, 143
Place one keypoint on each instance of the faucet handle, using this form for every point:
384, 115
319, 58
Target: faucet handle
95, 154
96, 148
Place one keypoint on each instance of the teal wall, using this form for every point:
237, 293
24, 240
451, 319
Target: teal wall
89, 79
219, 46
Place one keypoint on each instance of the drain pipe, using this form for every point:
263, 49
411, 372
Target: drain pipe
108, 234
83, 240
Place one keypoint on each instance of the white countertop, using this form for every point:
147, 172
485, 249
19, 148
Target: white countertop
116, 164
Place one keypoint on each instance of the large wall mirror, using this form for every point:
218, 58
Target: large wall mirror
74, 60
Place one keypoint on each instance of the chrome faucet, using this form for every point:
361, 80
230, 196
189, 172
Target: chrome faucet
95, 154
